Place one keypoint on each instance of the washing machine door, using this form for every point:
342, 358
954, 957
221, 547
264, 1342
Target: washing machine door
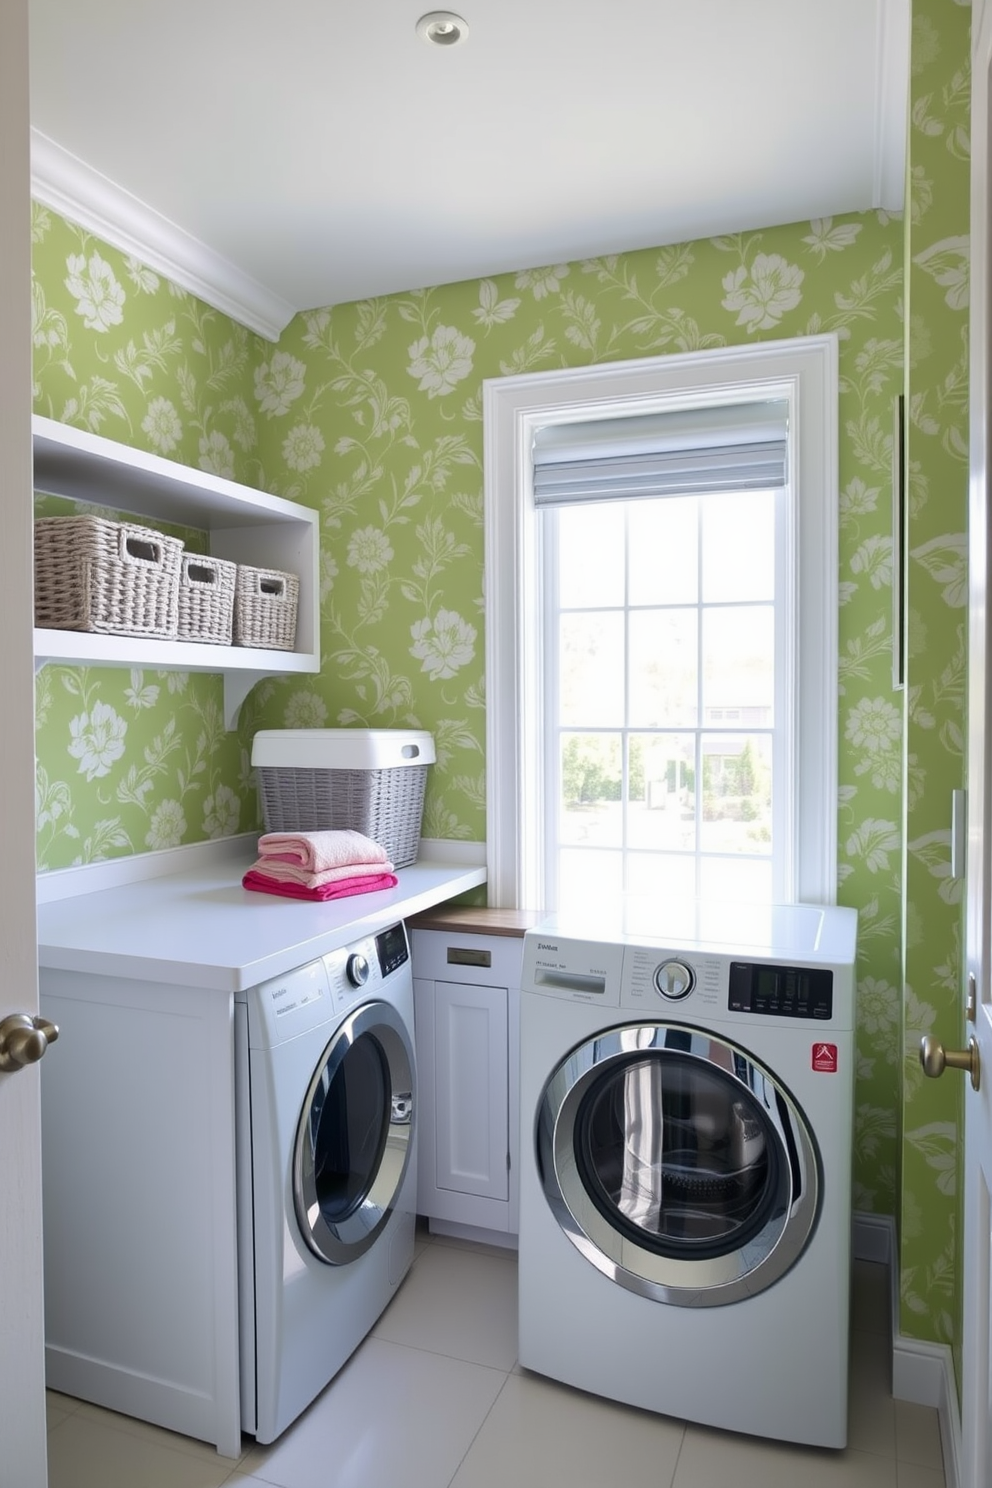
353, 1142
678, 1164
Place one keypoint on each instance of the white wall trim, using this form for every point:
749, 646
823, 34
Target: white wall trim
922, 1373
73, 189
892, 56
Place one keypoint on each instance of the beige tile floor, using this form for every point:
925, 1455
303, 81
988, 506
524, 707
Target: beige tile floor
433, 1399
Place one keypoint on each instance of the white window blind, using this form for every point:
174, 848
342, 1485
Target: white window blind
735, 447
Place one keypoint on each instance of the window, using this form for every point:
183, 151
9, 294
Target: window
661, 655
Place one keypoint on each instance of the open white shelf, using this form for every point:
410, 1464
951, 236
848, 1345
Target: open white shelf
243, 525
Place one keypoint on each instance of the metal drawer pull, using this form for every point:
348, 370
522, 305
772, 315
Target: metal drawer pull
468, 956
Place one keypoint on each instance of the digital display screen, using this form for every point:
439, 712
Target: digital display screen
785, 991
392, 948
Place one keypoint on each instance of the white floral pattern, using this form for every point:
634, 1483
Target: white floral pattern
441, 361
279, 383
763, 293
97, 740
444, 644
99, 297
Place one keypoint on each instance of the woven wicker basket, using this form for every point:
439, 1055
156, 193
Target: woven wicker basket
361, 780
265, 604
94, 574
206, 599
386, 805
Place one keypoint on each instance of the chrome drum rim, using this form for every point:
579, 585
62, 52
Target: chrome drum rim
791, 1205
345, 1238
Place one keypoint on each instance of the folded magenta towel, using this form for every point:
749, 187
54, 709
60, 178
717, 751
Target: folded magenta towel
318, 851
339, 888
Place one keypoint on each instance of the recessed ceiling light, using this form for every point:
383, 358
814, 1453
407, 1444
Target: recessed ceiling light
442, 28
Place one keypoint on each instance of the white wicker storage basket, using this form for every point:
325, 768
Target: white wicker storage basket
265, 603
206, 599
94, 574
361, 780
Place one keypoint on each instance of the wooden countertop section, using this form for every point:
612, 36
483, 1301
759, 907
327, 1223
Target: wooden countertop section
475, 920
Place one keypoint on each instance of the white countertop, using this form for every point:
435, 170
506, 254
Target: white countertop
199, 928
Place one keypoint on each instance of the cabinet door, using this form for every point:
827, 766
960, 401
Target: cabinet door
472, 1107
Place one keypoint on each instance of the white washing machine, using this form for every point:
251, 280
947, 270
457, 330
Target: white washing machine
326, 1095
686, 1085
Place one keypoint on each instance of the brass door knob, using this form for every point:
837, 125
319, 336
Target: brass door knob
23, 1040
935, 1059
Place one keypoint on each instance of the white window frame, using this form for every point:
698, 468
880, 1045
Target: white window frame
803, 370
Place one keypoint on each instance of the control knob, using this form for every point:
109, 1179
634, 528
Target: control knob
357, 970
674, 980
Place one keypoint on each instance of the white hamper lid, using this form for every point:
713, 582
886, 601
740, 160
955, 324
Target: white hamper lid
341, 749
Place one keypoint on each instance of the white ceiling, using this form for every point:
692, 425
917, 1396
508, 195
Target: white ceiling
278, 155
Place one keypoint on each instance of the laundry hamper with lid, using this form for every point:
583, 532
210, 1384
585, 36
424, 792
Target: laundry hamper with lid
361, 780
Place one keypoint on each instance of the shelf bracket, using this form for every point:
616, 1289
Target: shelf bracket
237, 686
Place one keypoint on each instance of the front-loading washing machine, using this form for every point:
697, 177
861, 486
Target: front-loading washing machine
325, 1093
686, 1087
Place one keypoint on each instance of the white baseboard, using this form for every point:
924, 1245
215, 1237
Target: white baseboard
922, 1373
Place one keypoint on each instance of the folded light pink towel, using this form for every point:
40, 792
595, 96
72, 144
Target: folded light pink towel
291, 872
318, 851
340, 889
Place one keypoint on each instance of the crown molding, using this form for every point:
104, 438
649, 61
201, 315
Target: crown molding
68, 186
892, 57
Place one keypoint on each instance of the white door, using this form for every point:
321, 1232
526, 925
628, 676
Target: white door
22, 1379
976, 1409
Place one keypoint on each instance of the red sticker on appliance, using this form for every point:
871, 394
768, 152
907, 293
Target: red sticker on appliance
825, 1058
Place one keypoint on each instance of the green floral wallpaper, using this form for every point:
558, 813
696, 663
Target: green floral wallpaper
130, 761
937, 248
371, 414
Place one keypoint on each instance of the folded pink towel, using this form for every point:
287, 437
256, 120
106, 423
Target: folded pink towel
318, 851
284, 871
340, 889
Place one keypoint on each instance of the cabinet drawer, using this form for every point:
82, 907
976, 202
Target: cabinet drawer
482, 960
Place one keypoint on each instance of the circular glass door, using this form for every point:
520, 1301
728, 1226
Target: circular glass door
677, 1164
353, 1141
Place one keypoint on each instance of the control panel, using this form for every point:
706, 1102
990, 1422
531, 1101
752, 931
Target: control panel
391, 946
711, 984
781, 991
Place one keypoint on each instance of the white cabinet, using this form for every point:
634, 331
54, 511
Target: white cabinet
243, 525
471, 1100
141, 1262
467, 1006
